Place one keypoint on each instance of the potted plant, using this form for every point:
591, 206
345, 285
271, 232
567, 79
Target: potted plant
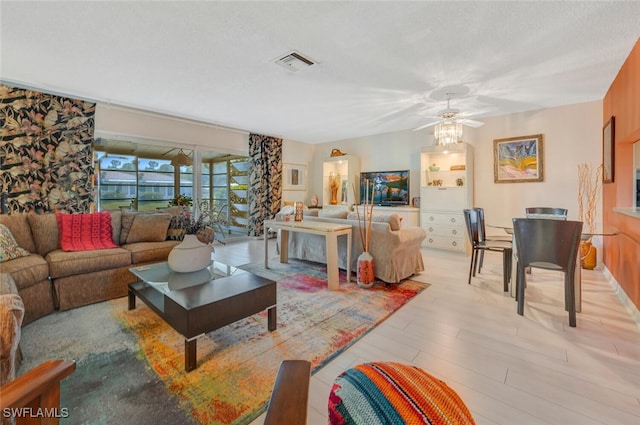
181, 201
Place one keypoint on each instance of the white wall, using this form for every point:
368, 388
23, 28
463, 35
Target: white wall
298, 153
572, 135
144, 126
389, 151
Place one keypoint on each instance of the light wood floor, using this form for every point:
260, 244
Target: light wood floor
508, 369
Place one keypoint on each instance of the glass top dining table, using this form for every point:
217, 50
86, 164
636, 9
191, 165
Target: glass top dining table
508, 228
585, 236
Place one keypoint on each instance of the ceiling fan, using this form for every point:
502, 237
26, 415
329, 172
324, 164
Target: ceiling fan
451, 115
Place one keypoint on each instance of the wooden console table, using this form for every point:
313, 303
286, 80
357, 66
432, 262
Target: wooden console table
330, 231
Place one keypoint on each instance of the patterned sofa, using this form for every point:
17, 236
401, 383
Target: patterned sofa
50, 278
395, 249
11, 315
43, 277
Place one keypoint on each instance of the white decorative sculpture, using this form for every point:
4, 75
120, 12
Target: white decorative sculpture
190, 256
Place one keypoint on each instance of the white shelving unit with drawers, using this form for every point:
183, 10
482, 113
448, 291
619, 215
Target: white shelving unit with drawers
446, 188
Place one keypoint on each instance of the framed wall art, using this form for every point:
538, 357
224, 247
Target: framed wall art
295, 177
608, 151
518, 159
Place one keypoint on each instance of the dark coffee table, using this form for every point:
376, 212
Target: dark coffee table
200, 302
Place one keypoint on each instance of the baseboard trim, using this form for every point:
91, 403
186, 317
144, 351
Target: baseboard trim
622, 296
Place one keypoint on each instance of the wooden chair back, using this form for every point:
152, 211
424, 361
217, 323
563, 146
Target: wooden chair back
290, 394
37, 390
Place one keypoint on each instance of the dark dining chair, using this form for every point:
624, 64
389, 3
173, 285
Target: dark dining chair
546, 213
482, 233
479, 245
551, 245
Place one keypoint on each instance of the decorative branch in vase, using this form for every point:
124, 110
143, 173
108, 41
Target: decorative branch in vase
589, 181
365, 269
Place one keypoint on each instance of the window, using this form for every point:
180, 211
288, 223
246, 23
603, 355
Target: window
220, 184
238, 189
205, 190
141, 183
117, 181
147, 181
185, 183
155, 183
224, 186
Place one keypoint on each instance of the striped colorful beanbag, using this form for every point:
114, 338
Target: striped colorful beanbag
393, 393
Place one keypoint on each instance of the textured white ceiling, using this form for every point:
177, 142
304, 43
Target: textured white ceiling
381, 66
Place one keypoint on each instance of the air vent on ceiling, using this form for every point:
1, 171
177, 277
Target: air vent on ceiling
294, 62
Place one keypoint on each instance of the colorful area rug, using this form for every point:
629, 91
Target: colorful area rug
134, 372
237, 364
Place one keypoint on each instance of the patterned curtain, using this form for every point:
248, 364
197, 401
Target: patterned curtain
265, 180
46, 152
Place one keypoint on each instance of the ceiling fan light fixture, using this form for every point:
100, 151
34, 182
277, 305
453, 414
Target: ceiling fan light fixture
181, 159
447, 132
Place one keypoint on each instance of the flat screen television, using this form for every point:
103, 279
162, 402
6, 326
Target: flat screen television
386, 188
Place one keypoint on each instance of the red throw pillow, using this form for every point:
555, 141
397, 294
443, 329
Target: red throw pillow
85, 232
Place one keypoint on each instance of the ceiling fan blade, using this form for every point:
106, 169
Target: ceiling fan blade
471, 123
426, 125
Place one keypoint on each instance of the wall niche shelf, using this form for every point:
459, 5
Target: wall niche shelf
346, 170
